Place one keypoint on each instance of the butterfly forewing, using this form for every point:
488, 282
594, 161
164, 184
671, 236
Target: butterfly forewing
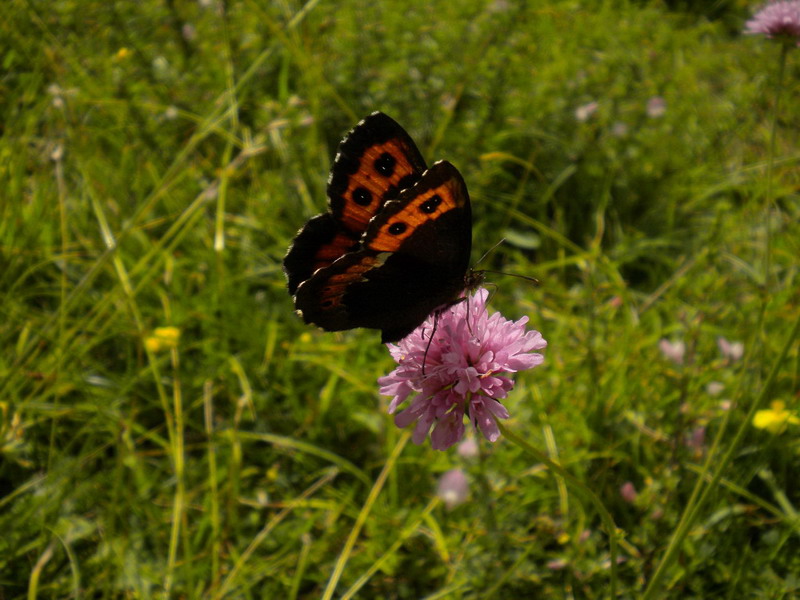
411, 260
373, 163
435, 210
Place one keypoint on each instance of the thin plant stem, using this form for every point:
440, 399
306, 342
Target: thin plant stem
485, 490
350, 543
407, 531
694, 507
770, 200
269, 528
605, 516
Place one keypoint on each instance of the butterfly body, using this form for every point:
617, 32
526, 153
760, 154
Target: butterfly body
395, 244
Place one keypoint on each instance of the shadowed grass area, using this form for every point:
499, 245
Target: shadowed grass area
156, 160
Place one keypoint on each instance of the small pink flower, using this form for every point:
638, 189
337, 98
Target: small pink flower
777, 20
453, 488
557, 564
656, 107
674, 351
619, 129
615, 302
733, 351
189, 32
628, 492
468, 448
462, 372
696, 439
583, 112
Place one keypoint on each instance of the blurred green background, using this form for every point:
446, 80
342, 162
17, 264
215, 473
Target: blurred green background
156, 159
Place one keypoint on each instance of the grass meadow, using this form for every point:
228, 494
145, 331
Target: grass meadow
169, 428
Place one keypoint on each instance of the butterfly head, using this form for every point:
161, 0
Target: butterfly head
473, 280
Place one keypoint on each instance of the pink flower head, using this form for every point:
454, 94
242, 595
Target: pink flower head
733, 351
583, 112
468, 448
453, 488
777, 20
628, 492
674, 351
696, 439
462, 371
656, 107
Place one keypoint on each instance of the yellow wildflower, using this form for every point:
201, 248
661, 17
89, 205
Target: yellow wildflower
122, 54
775, 418
163, 338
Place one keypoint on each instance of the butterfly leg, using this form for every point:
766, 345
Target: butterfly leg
430, 339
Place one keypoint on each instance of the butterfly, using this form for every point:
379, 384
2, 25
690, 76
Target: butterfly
394, 244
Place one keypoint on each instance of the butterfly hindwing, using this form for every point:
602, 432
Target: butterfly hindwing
317, 245
411, 260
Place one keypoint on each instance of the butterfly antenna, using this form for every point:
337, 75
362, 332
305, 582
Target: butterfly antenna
488, 252
466, 315
525, 277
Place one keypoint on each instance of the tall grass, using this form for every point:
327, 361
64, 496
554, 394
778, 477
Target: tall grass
155, 162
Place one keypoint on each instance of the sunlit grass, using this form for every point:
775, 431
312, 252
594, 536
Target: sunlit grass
168, 426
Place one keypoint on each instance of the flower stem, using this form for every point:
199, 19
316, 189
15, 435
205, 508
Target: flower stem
486, 490
605, 516
698, 499
771, 166
372, 498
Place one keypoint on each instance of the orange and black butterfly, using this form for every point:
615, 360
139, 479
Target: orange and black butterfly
394, 244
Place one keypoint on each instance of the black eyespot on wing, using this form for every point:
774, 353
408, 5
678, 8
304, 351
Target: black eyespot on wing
431, 204
362, 196
385, 164
397, 228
